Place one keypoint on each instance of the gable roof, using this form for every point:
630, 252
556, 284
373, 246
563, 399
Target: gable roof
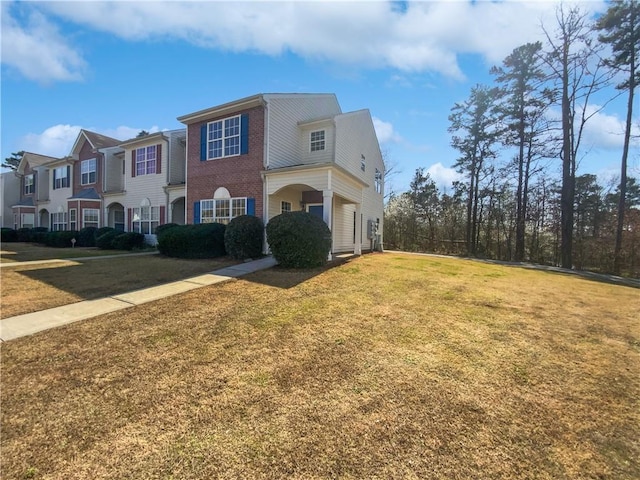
96, 140
34, 160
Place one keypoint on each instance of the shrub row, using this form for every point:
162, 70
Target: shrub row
108, 238
204, 240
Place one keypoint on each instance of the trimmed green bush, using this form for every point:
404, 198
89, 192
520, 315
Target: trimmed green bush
24, 234
102, 230
205, 240
299, 240
8, 235
160, 229
105, 241
128, 241
87, 237
60, 239
38, 234
243, 237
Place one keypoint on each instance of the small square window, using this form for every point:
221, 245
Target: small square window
285, 207
317, 141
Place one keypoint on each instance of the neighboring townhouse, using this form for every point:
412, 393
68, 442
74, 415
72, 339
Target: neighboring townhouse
33, 175
273, 153
10, 188
145, 182
85, 205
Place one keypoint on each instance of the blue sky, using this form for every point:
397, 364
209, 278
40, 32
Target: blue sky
120, 67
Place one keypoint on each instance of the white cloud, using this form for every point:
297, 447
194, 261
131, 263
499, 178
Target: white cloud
607, 131
37, 50
424, 36
385, 131
58, 140
443, 176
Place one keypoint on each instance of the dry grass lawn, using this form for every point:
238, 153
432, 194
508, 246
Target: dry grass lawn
389, 366
66, 282
24, 252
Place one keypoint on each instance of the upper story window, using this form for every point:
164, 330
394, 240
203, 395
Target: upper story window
363, 162
146, 158
317, 141
223, 138
61, 177
378, 181
88, 171
28, 184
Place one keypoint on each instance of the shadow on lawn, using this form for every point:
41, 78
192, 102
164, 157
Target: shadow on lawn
290, 277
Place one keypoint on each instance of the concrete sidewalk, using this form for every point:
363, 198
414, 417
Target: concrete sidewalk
27, 324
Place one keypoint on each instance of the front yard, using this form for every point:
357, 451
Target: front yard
30, 288
389, 366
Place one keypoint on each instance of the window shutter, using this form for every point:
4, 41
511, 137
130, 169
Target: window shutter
162, 214
244, 134
130, 215
68, 176
251, 206
133, 162
159, 158
196, 212
203, 142
54, 183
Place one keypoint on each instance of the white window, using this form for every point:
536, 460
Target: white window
223, 138
90, 217
28, 184
222, 210
73, 221
317, 141
146, 219
61, 178
363, 162
146, 160
88, 171
378, 181
58, 221
285, 207
28, 220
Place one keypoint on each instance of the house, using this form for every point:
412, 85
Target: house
145, 182
33, 177
272, 153
10, 188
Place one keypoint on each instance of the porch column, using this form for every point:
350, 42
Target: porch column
357, 248
327, 208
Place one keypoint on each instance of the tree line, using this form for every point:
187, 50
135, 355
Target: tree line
512, 203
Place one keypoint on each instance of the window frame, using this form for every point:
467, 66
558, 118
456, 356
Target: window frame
145, 164
146, 218
222, 210
285, 207
61, 178
88, 162
58, 221
29, 184
220, 141
363, 162
73, 219
317, 144
85, 211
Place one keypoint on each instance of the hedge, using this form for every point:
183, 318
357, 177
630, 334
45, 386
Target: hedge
8, 235
243, 237
299, 240
87, 237
204, 240
60, 239
128, 241
105, 241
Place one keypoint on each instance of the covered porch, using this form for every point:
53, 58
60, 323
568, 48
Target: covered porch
326, 191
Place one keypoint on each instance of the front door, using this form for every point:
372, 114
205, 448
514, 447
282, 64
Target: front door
316, 210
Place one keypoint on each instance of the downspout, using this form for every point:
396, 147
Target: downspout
265, 182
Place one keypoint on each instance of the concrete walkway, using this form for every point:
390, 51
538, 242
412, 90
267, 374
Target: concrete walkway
29, 323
